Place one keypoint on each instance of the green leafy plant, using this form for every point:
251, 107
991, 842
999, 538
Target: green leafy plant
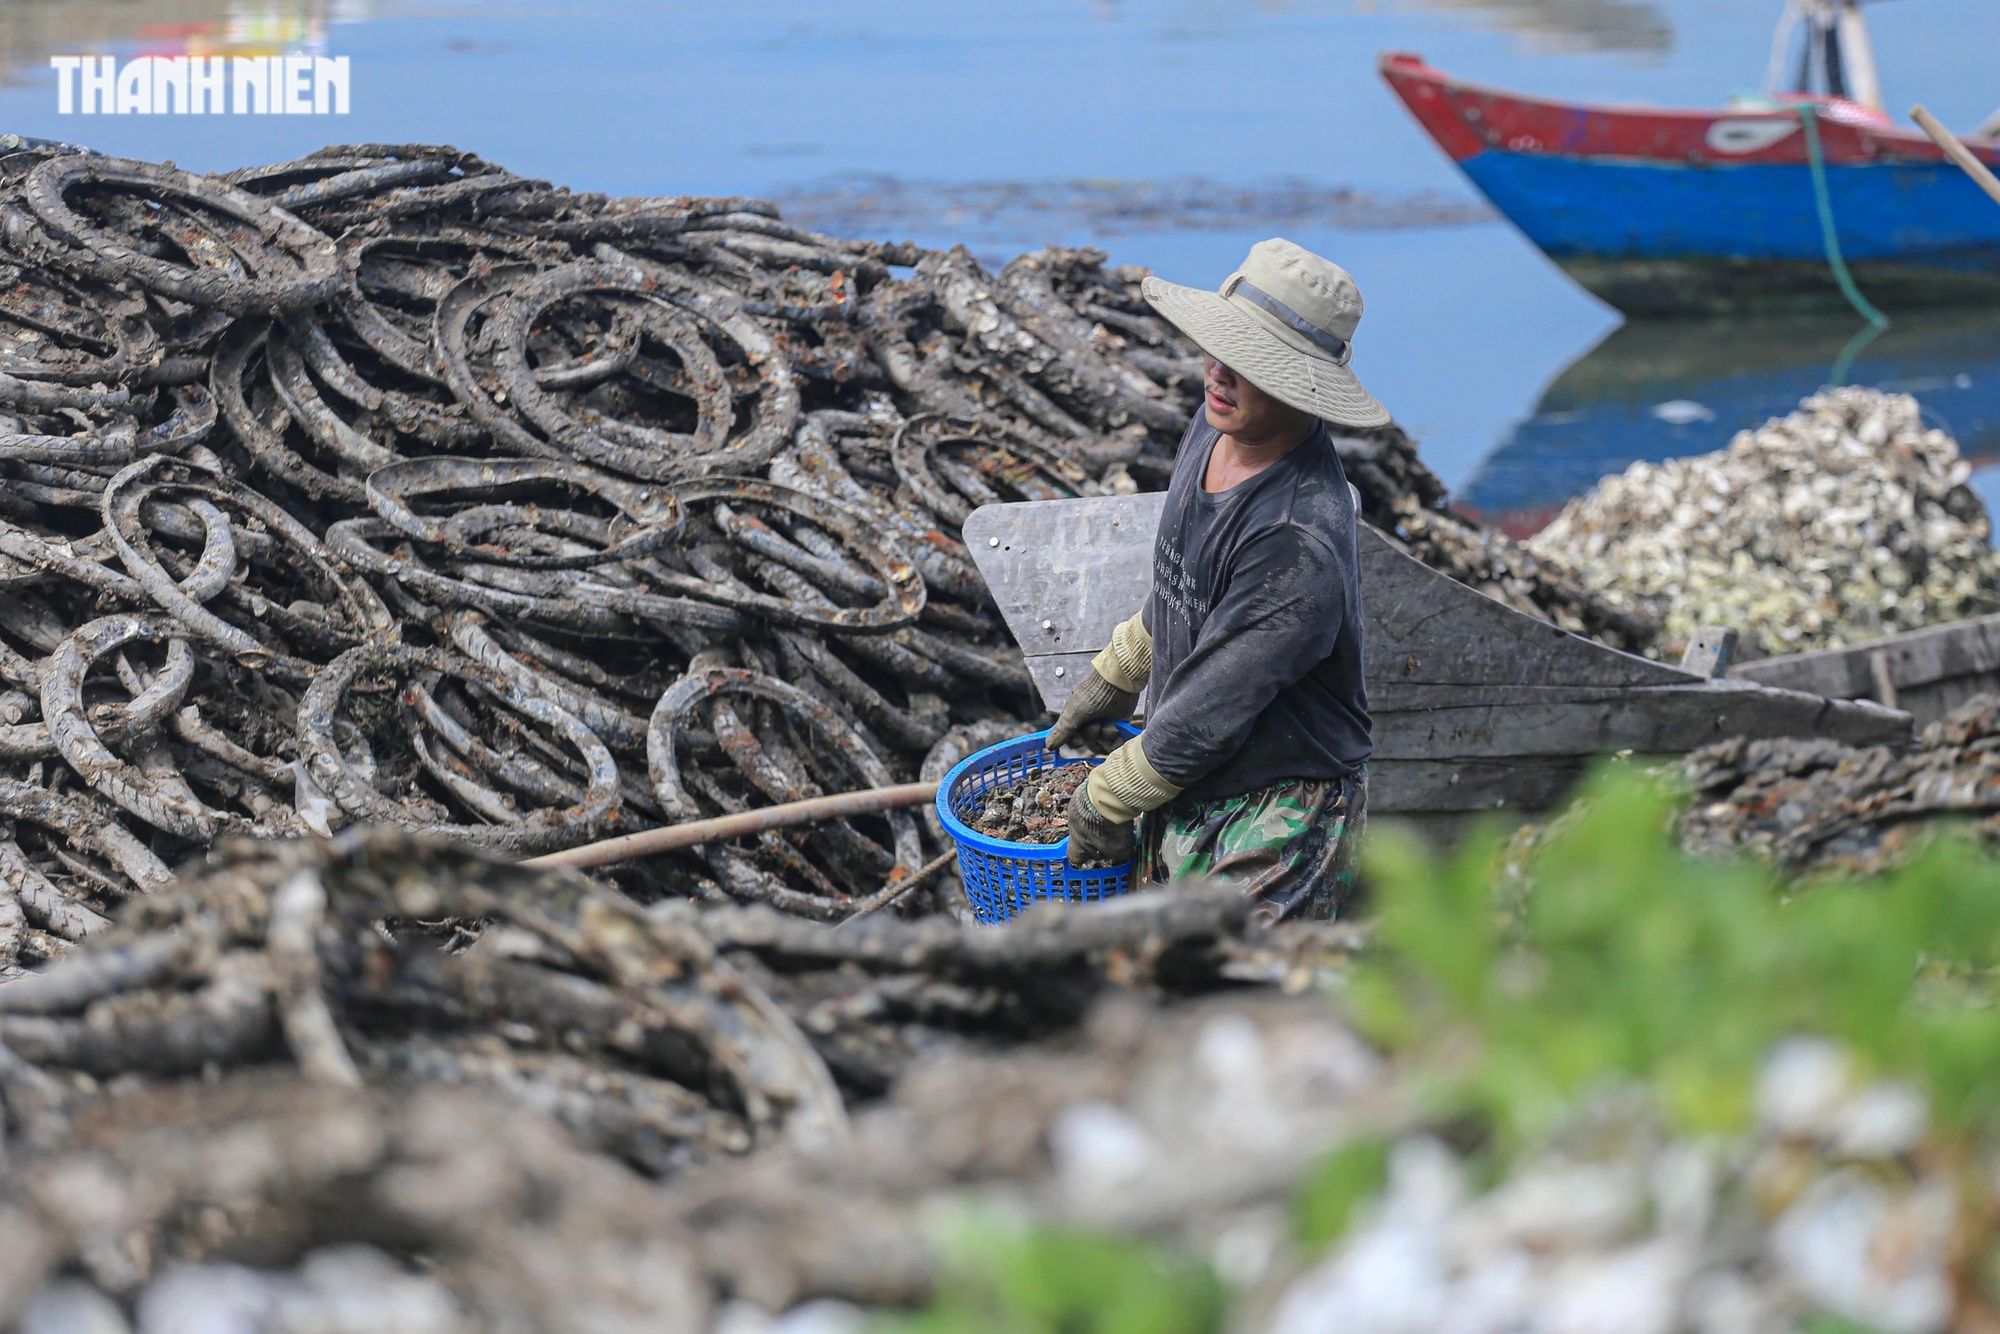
1001, 1279
1627, 957
1326, 1200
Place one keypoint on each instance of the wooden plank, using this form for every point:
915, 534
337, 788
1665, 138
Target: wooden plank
1422, 627
1914, 658
1042, 669
1647, 719
1710, 651
1396, 696
1927, 703
1065, 572
1408, 787
1447, 829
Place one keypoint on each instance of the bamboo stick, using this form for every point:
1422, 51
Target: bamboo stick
892, 894
1957, 152
646, 843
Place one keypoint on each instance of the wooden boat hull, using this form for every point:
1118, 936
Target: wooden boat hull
1476, 707
1662, 211
1925, 673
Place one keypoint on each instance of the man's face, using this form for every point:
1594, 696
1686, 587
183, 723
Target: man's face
1240, 409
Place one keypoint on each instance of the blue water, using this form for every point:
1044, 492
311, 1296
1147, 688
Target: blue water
1466, 325
1654, 392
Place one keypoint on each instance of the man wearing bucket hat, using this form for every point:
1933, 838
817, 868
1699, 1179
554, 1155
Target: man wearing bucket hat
1254, 759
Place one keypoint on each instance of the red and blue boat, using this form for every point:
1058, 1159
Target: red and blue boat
1660, 211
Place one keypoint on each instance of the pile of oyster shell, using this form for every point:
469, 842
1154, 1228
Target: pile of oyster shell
1847, 520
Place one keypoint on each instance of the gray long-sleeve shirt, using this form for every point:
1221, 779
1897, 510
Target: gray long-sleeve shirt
1255, 616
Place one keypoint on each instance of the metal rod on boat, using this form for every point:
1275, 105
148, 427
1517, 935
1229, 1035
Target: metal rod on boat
1957, 152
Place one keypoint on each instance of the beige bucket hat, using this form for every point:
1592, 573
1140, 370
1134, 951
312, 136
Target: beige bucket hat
1285, 322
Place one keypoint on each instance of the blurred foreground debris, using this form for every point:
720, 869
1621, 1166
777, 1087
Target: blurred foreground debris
1615, 1224
386, 1084
391, 1042
1821, 805
1644, 1090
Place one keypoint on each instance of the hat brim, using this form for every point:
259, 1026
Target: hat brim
1311, 383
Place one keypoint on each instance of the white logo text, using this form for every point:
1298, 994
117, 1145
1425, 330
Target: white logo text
195, 85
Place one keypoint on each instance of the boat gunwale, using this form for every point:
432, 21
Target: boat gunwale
1876, 134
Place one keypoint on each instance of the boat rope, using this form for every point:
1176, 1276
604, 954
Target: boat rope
1844, 363
1808, 116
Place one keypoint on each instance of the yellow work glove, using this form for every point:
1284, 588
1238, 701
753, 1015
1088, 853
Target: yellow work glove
1103, 811
1117, 674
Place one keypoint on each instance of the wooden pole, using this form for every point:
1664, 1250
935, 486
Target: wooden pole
890, 895
646, 843
1957, 152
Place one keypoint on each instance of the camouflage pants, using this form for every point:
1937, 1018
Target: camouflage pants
1290, 846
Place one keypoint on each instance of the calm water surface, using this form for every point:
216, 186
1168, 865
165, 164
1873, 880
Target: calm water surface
1174, 133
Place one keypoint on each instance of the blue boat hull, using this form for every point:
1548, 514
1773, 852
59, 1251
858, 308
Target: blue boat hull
1652, 238
1664, 210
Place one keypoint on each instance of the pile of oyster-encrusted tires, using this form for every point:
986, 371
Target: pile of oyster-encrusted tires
388, 497
385, 486
389, 1083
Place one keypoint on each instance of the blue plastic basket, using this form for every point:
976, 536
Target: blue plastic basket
1002, 878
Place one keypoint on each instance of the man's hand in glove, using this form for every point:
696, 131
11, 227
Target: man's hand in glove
1111, 691
1093, 840
1104, 810
1093, 702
